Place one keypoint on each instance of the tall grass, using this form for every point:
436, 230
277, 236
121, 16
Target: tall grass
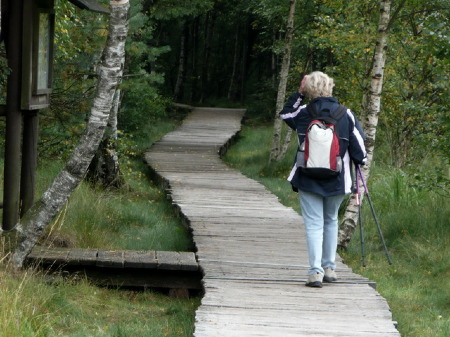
137, 216
34, 308
129, 218
22, 312
415, 224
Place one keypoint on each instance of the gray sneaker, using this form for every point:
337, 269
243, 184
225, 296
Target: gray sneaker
315, 280
330, 275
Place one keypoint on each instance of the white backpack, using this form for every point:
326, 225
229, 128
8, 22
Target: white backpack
319, 155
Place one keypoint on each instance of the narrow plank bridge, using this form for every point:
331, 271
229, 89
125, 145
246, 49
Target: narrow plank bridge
252, 249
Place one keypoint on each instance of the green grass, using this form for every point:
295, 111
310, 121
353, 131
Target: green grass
137, 216
415, 224
37, 309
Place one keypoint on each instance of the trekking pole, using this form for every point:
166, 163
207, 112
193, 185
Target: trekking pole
361, 231
358, 168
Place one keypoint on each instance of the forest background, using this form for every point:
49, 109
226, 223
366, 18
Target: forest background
228, 53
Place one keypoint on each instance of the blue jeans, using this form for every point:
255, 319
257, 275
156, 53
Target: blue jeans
321, 222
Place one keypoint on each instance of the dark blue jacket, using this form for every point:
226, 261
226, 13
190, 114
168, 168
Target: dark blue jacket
351, 141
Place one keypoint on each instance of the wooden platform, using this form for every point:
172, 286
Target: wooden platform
123, 268
251, 248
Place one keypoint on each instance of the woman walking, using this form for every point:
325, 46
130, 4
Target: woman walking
320, 197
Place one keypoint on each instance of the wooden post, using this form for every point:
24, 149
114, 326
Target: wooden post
29, 159
13, 133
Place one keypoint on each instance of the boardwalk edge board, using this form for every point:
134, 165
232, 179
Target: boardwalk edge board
165, 260
122, 268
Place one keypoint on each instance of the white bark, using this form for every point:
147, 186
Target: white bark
104, 168
41, 214
113, 157
372, 109
277, 153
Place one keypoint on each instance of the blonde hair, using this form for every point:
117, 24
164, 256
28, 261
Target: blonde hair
318, 84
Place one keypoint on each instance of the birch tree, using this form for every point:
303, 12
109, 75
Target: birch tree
104, 168
278, 151
372, 110
44, 210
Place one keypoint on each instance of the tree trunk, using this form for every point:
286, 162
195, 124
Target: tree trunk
274, 63
277, 153
44, 210
204, 76
194, 75
104, 168
181, 65
372, 110
233, 81
3, 17
243, 65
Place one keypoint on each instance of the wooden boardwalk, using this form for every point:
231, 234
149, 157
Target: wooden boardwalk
252, 249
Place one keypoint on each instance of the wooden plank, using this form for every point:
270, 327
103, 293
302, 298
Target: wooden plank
145, 259
110, 258
188, 261
104, 258
176, 260
47, 256
84, 257
168, 260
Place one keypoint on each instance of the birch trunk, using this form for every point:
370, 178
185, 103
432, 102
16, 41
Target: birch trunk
277, 153
113, 176
104, 168
372, 110
44, 210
